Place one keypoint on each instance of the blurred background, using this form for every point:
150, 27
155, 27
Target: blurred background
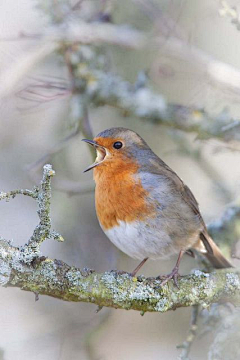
194, 62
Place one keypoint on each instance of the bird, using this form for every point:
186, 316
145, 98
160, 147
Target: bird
143, 206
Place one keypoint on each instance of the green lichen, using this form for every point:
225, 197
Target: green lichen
24, 267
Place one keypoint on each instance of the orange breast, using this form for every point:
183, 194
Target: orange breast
118, 195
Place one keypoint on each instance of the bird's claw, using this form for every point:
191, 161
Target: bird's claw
174, 275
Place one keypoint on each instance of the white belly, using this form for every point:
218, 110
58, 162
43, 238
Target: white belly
139, 240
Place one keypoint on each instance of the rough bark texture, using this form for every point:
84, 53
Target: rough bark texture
57, 279
25, 268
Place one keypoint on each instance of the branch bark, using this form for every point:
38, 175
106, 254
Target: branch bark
105, 88
26, 269
57, 279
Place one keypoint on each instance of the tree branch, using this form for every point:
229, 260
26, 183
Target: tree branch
98, 86
25, 268
57, 279
105, 88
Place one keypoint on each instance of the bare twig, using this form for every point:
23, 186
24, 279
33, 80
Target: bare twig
11, 194
186, 346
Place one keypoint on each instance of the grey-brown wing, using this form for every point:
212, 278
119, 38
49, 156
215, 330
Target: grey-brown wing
187, 195
190, 198
163, 169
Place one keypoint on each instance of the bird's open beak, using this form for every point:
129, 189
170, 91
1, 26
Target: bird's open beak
101, 153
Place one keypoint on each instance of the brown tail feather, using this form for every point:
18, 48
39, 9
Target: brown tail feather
214, 254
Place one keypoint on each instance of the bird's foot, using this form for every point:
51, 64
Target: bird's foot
174, 275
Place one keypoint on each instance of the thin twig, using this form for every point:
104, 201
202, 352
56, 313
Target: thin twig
43, 229
11, 194
187, 344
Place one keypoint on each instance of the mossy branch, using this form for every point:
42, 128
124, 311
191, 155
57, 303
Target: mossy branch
25, 268
57, 279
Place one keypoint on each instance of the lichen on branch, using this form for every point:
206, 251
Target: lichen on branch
26, 268
57, 279
43, 230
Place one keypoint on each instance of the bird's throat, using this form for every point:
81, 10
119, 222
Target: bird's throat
120, 196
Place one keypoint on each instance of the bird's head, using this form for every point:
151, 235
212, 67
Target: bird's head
117, 148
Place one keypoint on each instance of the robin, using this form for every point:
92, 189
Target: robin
143, 206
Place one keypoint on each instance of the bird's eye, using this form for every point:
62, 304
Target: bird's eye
117, 145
